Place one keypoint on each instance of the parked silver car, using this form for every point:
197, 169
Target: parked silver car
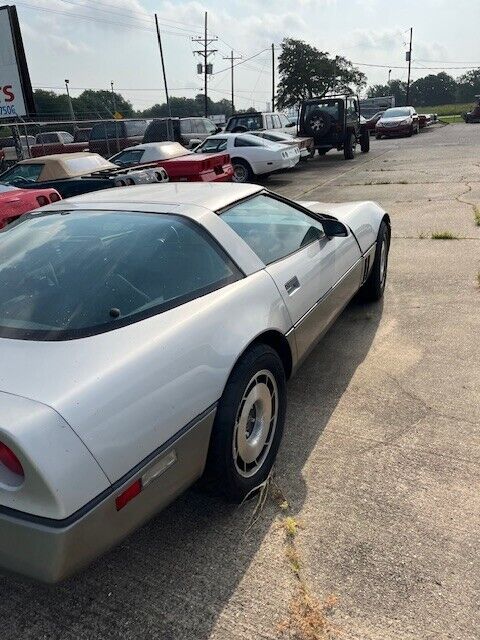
147, 334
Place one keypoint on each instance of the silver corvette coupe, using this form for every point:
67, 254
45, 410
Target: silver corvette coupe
146, 336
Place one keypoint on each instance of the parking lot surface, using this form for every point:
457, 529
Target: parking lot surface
378, 473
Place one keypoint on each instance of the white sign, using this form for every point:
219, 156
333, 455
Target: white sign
11, 96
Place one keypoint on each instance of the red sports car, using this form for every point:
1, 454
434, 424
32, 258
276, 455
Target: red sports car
15, 202
181, 164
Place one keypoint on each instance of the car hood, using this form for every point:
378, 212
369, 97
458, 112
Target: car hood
395, 120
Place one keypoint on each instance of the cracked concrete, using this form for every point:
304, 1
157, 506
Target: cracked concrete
380, 460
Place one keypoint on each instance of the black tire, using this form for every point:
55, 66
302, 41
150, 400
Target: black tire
322, 152
349, 147
410, 133
372, 290
365, 141
222, 474
378, 136
242, 171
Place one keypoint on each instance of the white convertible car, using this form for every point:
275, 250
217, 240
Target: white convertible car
250, 155
146, 336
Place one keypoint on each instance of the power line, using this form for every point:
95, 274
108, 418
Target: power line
243, 62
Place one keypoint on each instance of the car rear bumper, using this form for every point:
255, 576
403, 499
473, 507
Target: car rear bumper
51, 550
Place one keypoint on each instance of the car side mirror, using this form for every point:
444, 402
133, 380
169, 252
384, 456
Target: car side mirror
334, 228
290, 124
194, 142
218, 130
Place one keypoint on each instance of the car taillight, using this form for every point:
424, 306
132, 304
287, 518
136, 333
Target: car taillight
54, 197
42, 201
10, 460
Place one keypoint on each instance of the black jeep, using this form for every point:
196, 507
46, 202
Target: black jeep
334, 122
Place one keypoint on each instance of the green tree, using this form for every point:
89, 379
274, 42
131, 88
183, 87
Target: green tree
306, 72
433, 89
468, 86
395, 88
101, 102
50, 104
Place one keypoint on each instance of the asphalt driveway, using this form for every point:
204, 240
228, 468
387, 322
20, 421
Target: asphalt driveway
372, 528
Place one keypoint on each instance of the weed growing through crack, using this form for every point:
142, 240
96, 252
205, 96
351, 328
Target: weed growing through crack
444, 235
308, 617
476, 215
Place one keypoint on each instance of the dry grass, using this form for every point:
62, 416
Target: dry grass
444, 235
476, 215
308, 617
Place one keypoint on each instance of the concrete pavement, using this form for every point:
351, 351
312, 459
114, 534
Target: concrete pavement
379, 464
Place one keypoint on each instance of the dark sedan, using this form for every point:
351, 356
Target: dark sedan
372, 121
397, 121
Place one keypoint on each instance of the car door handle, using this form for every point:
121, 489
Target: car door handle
292, 285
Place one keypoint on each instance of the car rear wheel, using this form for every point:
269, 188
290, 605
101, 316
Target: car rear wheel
242, 171
365, 141
372, 290
410, 133
378, 136
349, 147
249, 424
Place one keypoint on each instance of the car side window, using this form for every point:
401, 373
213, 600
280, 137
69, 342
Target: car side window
276, 122
268, 122
186, 126
272, 228
240, 141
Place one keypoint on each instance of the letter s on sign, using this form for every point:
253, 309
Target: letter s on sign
9, 95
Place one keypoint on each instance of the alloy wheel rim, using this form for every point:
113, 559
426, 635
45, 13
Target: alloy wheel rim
383, 263
240, 173
255, 424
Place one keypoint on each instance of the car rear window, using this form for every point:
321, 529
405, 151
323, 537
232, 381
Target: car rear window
107, 131
251, 122
76, 273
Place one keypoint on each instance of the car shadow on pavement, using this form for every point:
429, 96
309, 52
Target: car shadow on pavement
173, 578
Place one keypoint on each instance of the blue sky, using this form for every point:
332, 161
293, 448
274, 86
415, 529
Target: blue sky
93, 42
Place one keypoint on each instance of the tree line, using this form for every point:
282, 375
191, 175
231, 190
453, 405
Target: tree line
92, 104
433, 89
304, 72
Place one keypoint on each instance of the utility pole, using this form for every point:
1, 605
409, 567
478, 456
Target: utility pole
114, 104
409, 59
70, 104
205, 52
232, 58
163, 66
273, 77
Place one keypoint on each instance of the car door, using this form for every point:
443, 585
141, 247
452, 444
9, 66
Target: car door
298, 256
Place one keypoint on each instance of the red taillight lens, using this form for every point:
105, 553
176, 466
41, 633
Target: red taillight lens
130, 492
42, 201
54, 197
10, 460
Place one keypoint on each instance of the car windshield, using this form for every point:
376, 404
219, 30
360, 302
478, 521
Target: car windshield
396, 113
22, 172
211, 145
128, 157
77, 273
